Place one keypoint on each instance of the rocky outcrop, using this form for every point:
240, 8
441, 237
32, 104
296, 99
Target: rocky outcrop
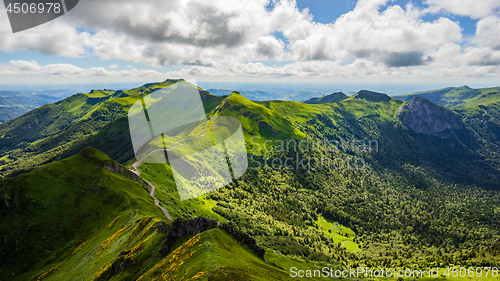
123, 261
422, 116
181, 228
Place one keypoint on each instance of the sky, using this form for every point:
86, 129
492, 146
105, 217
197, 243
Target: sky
259, 41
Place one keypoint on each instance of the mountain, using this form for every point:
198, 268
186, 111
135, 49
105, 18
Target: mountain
458, 97
335, 97
367, 181
372, 96
53, 212
423, 116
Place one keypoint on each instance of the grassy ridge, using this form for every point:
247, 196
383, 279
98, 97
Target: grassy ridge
50, 211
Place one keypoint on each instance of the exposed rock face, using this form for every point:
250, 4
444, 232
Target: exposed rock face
181, 228
122, 262
423, 116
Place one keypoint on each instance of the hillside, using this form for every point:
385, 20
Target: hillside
364, 186
458, 97
51, 211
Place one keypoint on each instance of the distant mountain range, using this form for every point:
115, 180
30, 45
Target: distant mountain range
458, 97
266, 95
16, 103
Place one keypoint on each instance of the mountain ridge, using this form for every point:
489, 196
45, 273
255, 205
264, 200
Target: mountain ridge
458, 97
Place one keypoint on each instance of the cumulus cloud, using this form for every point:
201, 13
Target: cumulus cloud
471, 8
394, 36
482, 56
488, 32
54, 38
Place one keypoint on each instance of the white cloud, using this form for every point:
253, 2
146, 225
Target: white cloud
53, 38
488, 32
23, 68
221, 38
359, 69
394, 36
471, 8
484, 56
196, 32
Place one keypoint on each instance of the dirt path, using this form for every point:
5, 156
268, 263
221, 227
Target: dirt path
152, 193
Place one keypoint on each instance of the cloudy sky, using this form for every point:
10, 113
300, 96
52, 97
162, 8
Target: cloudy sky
399, 41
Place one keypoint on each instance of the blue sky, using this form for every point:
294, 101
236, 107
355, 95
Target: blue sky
377, 41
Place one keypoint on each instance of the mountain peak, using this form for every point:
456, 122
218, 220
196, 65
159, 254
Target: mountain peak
372, 96
331, 98
173, 81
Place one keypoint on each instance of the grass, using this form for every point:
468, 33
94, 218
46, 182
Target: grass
339, 233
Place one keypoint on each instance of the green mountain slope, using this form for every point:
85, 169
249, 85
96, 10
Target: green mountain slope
49, 212
214, 255
458, 97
